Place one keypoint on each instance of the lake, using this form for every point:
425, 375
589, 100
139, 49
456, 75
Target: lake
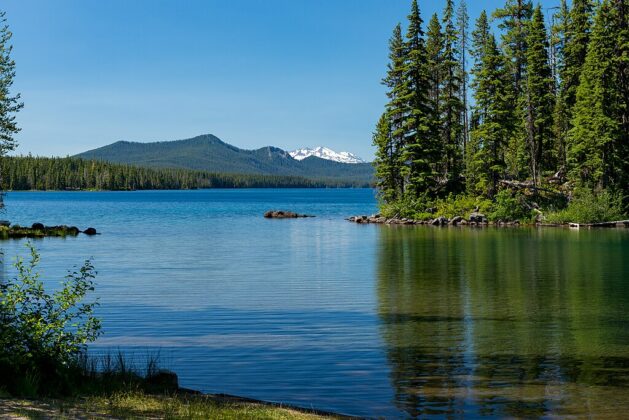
360, 319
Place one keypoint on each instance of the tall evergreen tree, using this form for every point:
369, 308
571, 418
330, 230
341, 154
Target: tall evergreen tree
420, 144
597, 143
540, 99
462, 19
451, 107
9, 103
434, 52
514, 17
397, 111
386, 162
494, 113
561, 118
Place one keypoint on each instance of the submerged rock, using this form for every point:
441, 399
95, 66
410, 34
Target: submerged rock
280, 214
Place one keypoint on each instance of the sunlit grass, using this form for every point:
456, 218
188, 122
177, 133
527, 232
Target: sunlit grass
140, 405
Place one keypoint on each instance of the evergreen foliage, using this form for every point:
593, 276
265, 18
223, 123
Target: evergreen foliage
10, 103
39, 173
550, 111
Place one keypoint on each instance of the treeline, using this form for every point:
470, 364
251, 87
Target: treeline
40, 173
550, 105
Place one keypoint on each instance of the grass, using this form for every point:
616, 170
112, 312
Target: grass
140, 405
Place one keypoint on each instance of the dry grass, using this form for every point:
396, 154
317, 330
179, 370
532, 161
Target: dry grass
139, 405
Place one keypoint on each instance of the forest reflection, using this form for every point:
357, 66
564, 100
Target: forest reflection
505, 322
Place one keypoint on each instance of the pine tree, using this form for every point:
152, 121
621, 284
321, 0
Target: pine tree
397, 109
386, 162
451, 107
597, 143
9, 103
462, 19
434, 52
494, 115
515, 16
540, 99
419, 152
560, 114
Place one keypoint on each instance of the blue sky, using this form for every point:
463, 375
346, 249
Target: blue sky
288, 73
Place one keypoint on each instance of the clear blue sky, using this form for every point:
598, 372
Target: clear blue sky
288, 73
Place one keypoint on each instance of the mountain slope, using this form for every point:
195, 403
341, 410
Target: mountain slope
209, 153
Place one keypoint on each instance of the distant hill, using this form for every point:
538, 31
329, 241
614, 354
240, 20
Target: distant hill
209, 153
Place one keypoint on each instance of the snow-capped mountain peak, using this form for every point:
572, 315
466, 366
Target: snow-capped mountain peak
325, 153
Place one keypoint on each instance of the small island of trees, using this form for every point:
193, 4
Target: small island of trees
547, 132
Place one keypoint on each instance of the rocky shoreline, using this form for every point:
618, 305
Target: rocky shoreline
39, 230
475, 219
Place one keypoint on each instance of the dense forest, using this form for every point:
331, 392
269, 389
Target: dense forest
546, 125
40, 173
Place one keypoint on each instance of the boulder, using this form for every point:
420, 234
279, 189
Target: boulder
90, 231
281, 214
439, 221
477, 217
456, 220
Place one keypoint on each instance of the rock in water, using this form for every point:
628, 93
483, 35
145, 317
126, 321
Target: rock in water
281, 214
477, 217
90, 231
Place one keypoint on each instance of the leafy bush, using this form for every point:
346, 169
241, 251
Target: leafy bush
461, 205
510, 206
588, 206
407, 207
43, 335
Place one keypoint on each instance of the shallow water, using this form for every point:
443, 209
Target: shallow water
364, 320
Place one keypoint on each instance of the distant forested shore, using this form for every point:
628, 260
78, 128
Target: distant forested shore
25, 173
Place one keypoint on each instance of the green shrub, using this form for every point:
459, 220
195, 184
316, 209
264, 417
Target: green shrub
588, 206
461, 205
43, 335
510, 206
407, 207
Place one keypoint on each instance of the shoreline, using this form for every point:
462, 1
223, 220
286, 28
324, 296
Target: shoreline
83, 406
479, 222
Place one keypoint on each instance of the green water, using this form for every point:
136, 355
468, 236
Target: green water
523, 322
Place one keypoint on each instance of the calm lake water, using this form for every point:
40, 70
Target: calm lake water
364, 320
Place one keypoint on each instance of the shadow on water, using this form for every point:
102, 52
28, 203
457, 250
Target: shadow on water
505, 322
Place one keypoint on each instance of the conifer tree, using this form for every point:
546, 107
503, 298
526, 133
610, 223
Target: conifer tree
540, 99
462, 19
397, 110
494, 114
434, 52
515, 16
597, 143
560, 114
419, 150
386, 162
451, 106
9, 103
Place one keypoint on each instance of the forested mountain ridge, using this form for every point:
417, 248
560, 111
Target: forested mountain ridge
209, 153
